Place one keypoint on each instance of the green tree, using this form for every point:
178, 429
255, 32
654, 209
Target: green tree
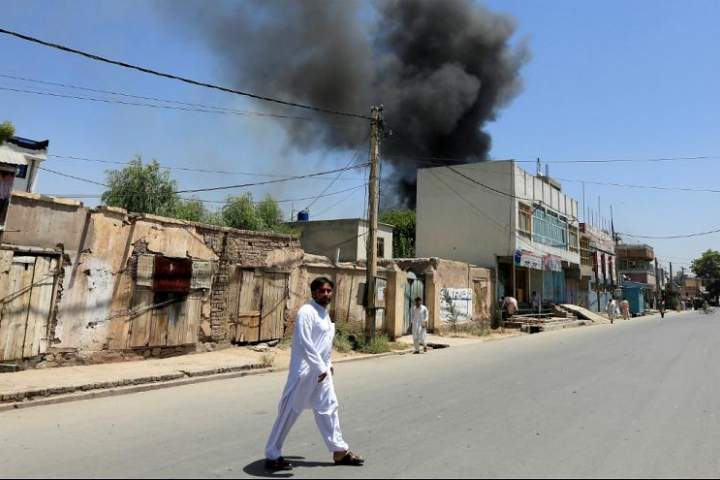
269, 213
707, 267
7, 131
403, 222
192, 210
239, 212
142, 188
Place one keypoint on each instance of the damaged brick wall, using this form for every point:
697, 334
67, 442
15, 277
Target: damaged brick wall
248, 250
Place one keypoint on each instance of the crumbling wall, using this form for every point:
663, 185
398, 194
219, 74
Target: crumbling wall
243, 249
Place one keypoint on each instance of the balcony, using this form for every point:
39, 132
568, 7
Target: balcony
635, 252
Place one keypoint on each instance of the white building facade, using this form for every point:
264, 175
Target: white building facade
497, 215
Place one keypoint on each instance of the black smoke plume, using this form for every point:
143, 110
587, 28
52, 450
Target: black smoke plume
441, 68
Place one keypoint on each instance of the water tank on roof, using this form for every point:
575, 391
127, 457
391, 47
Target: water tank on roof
303, 216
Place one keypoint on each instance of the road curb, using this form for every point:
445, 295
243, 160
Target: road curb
190, 378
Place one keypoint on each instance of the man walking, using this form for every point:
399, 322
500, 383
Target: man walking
310, 382
612, 309
661, 306
419, 325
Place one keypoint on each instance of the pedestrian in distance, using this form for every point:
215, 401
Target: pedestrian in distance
661, 306
535, 302
625, 309
612, 309
509, 307
310, 382
419, 325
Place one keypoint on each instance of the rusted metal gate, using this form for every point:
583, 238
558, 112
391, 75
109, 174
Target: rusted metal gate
258, 302
28, 286
166, 311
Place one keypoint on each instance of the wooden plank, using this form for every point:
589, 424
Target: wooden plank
248, 329
159, 323
145, 270
178, 322
40, 304
193, 314
16, 311
5, 290
233, 299
140, 324
274, 302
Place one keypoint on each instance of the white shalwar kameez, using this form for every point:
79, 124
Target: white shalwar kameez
419, 326
311, 357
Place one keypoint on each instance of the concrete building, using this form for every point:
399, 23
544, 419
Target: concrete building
499, 216
20, 159
636, 270
26, 156
636, 263
598, 267
342, 240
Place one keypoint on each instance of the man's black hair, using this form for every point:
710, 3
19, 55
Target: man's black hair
319, 282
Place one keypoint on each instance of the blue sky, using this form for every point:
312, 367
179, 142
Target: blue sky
607, 79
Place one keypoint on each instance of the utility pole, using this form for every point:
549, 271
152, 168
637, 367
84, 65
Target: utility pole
657, 282
370, 307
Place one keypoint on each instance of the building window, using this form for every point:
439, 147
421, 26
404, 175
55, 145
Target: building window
525, 220
573, 238
381, 248
586, 255
21, 171
549, 228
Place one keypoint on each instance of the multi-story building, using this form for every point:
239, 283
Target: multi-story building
598, 267
636, 263
497, 215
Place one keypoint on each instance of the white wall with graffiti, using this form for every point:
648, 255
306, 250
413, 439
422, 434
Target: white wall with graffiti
456, 305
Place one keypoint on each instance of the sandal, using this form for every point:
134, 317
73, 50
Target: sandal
279, 465
350, 459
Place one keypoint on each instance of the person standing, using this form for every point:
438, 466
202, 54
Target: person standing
612, 309
419, 325
310, 382
535, 302
625, 309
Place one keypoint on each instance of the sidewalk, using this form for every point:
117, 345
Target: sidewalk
55, 385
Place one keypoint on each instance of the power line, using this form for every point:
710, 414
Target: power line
151, 71
672, 237
445, 161
227, 187
165, 167
611, 184
220, 202
352, 160
645, 187
81, 179
226, 172
214, 110
269, 182
140, 97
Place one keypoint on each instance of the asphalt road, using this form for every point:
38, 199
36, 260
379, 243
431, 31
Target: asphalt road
637, 399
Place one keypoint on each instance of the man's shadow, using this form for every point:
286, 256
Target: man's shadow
257, 468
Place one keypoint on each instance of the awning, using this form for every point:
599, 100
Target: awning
8, 155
